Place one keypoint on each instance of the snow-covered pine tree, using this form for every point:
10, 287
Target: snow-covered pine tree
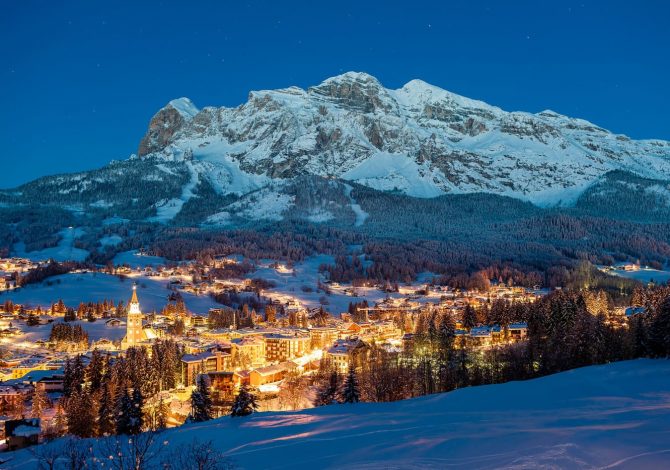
350, 392
469, 317
95, 371
162, 414
201, 401
660, 330
136, 416
79, 412
106, 411
245, 403
124, 413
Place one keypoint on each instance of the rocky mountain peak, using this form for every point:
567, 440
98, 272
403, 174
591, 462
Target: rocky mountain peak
356, 90
418, 139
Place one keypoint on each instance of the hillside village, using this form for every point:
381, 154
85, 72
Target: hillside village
270, 341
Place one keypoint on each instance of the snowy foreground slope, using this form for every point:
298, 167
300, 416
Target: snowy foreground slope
612, 416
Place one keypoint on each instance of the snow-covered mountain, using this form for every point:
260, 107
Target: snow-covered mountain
311, 155
420, 140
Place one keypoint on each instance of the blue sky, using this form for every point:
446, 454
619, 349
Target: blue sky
79, 81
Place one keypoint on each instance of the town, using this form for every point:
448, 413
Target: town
261, 337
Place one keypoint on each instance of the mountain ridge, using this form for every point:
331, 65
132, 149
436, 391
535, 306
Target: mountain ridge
419, 139
222, 167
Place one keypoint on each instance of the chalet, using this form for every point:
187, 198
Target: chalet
114, 322
222, 385
21, 433
346, 351
632, 311
270, 374
482, 335
518, 331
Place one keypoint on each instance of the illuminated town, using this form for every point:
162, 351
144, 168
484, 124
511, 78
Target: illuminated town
276, 351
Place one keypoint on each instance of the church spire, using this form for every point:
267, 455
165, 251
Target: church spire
133, 299
134, 304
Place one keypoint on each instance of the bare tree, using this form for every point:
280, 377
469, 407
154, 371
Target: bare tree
196, 456
46, 455
131, 452
76, 454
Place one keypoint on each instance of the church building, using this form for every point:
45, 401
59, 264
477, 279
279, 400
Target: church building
136, 333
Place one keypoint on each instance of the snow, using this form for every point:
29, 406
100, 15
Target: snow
64, 251
320, 215
96, 330
221, 170
220, 218
111, 240
74, 288
290, 283
395, 172
26, 431
134, 259
609, 416
417, 93
265, 204
167, 210
185, 107
361, 215
114, 220
545, 158
643, 275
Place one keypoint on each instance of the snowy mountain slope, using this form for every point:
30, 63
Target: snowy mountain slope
419, 139
272, 159
610, 416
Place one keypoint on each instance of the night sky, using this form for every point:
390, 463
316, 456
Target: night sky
79, 82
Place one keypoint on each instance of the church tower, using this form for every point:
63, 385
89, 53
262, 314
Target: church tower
134, 335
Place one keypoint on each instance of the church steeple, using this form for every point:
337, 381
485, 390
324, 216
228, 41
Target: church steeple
134, 334
134, 304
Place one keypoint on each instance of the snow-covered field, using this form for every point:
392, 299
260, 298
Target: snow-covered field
643, 275
611, 416
306, 274
64, 251
96, 330
134, 259
74, 288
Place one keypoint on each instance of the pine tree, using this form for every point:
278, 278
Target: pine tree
80, 414
58, 425
350, 391
32, 320
106, 411
469, 317
162, 414
327, 394
245, 403
124, 413
660, 330
201, 401
136, 420
74, 375
95, 371
41, 402
446, 334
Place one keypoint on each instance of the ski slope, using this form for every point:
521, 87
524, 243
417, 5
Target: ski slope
610, 416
